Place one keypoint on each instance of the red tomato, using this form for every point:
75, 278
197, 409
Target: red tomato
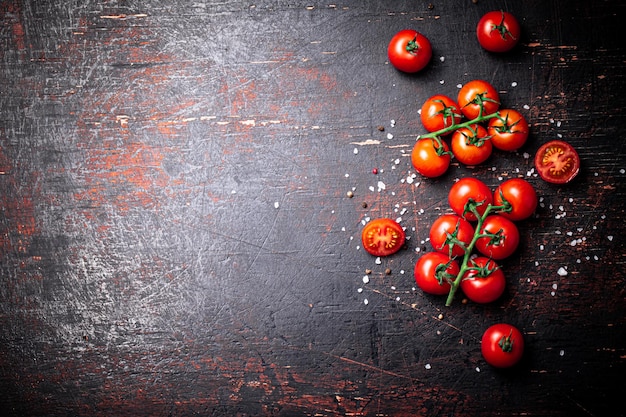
471, 145
448, 228
430, 157
557, 162
509, 130
438, 112
433, 271
519, 195
502, 345
498, 31
477, 95
485, 282
382, 237
505, 237
409, 51
469, 189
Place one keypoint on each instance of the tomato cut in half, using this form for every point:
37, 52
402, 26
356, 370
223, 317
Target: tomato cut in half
557, 162
409, 51
502, 345
382, 237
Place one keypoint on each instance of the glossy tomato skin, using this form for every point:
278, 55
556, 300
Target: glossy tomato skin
498, 31
382, 237
509, 130
557, 162
409, 51
465, 189
426, 270
430, 157
451, 224
521, 196
485, 285
471, 145
475, 92
502, 345
504, 243
440, 111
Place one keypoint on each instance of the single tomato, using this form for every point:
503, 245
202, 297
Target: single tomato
434, 271
440, 111
502, 345
484, 282
478, 97
430, 157
509, 130
409, 51
557, 162
501, 237
498, 31
518, 196
451, 234
471, 145
382, 237
469, 190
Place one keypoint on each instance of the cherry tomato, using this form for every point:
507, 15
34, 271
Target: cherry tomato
475, 95
471, 145
433, 271
409, 51
557, 162
504, 241
519, 195
509, 130
438, 112
485, 282
382, 237
498, 31
469, 189
502, 345
430, 157
447, 227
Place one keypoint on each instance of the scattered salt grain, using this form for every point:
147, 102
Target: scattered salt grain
514, 84
477, 369
356, 151
359, 290
561, 352
441, 81
526, 107
366, 279
366, 301
442, 58
610, 238
427, 366
276, 204
381, 186
389, 136
562, 271
622, 171
378, 261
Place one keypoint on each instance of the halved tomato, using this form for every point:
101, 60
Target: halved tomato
382, 237
557, 162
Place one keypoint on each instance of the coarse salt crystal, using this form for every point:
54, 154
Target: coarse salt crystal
366, 301
356, 151
366, 279
276, 204
378, 261
381, 185
427, 366
389, 136
610, 238
562, 271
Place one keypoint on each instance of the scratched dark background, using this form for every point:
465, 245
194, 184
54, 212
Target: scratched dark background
176, 238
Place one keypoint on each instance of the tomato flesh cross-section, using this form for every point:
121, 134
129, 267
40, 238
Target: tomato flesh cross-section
557, 162
382, 237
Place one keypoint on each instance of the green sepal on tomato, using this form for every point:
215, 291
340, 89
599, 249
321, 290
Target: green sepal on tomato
478, 98
434, 271
509, 130
469, 192
498, 31
409, 51
518, 196
484, 281
502, 345
451, 234
499, 237
471, 145
431, 157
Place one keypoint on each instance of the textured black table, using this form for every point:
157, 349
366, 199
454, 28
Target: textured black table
176, 237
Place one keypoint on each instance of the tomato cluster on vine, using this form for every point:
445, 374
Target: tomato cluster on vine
474, 123
467, 242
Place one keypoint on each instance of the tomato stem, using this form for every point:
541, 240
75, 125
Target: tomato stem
466, 264
454, 126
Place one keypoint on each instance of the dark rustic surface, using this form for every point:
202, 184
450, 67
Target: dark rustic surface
175, 234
